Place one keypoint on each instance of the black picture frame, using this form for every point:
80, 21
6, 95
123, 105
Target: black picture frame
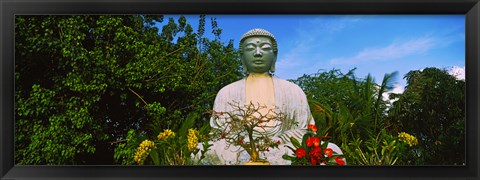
9, 8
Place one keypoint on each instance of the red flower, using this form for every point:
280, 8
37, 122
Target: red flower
309, 141
300, 152
316, 152
328, 152
316, 141
340, 161
312, 127
278, 142
315, 155
313, 141
313, 161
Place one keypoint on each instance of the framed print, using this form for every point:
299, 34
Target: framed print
204, 89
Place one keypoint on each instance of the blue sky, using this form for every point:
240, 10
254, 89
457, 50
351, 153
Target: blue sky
374, 44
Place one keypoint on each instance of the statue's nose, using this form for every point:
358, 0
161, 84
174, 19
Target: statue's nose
257, 53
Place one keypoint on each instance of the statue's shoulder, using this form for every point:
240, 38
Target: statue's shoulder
235, 86
287, 84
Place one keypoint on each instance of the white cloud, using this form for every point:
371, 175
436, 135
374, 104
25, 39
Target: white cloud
289, 62
392, 51
292, 61
330, 24
299, 53
397, 89
458, 72
297, 60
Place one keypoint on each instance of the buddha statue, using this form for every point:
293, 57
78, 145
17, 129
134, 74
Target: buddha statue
258, 53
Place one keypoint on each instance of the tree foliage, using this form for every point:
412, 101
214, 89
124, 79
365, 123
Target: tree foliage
362, 122
82, 82
433, 109
345, 105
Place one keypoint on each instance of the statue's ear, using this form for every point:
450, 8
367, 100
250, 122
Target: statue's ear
245, 70
272, 69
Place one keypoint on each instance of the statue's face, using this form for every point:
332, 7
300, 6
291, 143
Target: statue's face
258, 55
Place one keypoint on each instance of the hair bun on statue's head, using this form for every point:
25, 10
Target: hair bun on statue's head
257, 32
260, 32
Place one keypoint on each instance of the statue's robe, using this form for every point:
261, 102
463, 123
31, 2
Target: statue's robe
289, 100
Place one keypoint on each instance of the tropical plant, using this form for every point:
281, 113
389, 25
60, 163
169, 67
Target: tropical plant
313, 150
383, 149
170, 148
347, 107
353, 112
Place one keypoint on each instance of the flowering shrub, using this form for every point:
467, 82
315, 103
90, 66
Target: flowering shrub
165, 134
192, 139
407, 138
383, 149
312, 151
168, 149
172, 148
143, 151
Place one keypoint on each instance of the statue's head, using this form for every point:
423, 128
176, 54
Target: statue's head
258, 51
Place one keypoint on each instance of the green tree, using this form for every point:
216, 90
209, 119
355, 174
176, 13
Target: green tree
346, 106
352, 111
432, 107
83, 82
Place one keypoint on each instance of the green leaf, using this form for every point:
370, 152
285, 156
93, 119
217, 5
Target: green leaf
287, 157
154, 155
293, 150
304, 141
295, 143
187, 123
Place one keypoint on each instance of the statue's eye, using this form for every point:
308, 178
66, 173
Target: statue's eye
249, 48
267, 47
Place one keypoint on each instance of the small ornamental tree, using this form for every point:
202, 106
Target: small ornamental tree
246, 127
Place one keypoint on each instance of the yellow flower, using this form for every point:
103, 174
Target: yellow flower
143, 150
192, 139
167, 133
407, 138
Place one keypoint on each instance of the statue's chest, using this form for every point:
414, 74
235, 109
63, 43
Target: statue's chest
260, 91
